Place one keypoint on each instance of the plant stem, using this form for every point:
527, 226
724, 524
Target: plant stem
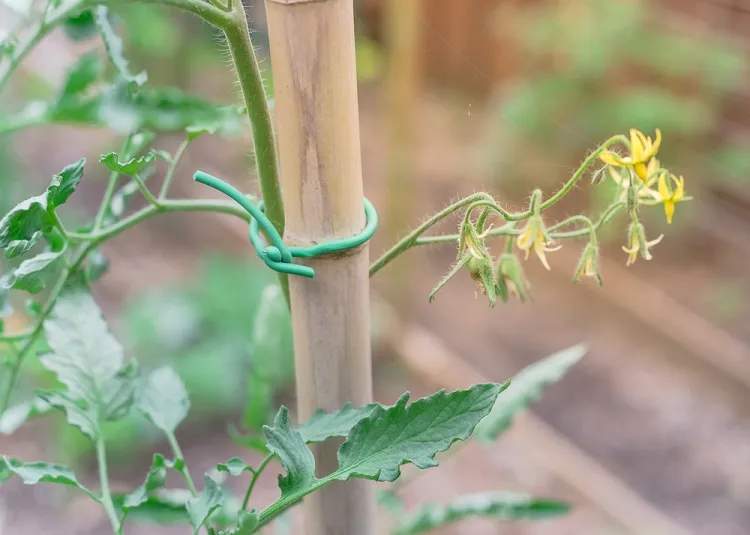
88, 243
106, 500
153, 201
111, 187
410, 239
172, 168
582, 169
251, 82
59, 225
256, 475
168, 206
183, 469
28, 344
206, 11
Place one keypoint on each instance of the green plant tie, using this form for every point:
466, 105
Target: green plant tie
278, 256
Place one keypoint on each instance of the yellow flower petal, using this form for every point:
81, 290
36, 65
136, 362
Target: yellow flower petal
664, 192
679, 193
637, 144
611, 158
657, 143
669, 210
641, 171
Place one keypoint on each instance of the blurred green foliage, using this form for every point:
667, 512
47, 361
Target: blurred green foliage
592, 69
233, 350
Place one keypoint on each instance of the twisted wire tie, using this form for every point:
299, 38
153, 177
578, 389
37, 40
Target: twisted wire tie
278, 256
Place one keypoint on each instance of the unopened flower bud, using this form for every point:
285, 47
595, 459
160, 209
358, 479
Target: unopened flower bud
510, 278
588, 265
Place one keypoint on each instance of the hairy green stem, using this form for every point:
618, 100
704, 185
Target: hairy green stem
256, 103
605, 218
172, 168
165, 207
582, 169
205, 10
410, 239
479, 200
106, 499
256, 474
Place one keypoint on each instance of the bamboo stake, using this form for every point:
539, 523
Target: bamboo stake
312, 51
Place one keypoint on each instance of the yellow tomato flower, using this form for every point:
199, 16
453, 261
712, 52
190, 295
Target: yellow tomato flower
671, 196
639, 244
642, 150
534, 236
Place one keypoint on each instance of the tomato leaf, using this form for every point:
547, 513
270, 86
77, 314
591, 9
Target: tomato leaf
163, 399
202, 507
39, 472
525, 388
128, 167
114, 48
506, 506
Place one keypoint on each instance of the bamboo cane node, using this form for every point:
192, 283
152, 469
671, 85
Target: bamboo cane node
279, 256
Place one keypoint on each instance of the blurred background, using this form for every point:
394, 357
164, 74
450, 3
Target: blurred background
648, 435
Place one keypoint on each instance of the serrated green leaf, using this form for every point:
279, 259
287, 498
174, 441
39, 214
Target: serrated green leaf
525, 388
25, 220
163, 507
80, 27
28, 221
162, 398
81, 76
378, 445
157, 476
119, 400
14, 417
168, 109
78, 413
86, 357
33, 473
505, 506
88, 361
295, 456
21, 247
202, 507
31, 274
234, 467
246, 524
324, 425
114, 48
129, 167
65, 183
